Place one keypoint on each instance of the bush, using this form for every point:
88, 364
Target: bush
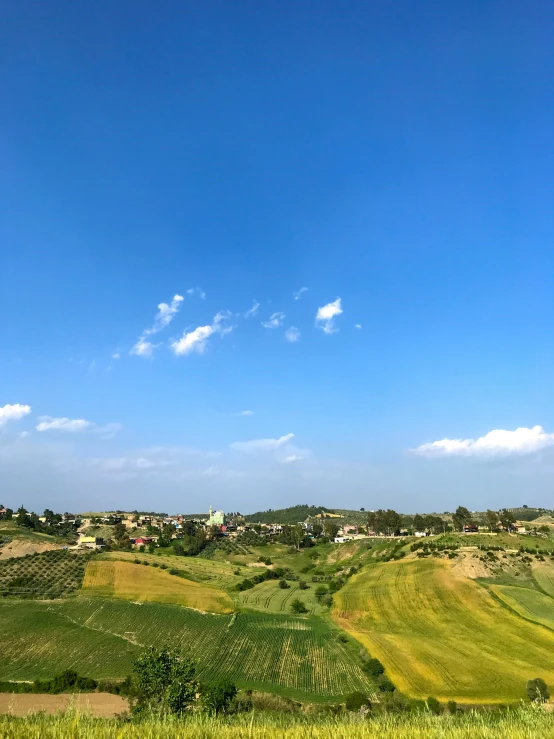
320, 592
537, 690
298, 607
374, 668
452, 707
386, 686
218, 697
283, 584
355, 701
164, 682
303, 585
434, 706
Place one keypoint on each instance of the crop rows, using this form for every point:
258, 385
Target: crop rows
297, 657
46, 575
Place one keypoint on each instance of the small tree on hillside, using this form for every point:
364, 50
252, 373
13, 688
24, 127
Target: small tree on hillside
164, 681
491, 519
298, 607
217, 698
537, 690
356, 701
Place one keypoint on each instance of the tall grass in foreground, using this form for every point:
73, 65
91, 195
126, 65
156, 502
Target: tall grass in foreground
525, 723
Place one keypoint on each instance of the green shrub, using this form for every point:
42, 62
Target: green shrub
433, 705
298, 607
355, 701
283, 584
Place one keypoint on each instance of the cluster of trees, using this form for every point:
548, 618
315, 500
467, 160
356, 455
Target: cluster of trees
384, 522
290, 516
54, 525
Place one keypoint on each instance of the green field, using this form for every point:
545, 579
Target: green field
301, 658
528, 603
443, 635
268, 596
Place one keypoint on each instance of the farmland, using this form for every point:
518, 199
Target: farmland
145, 583
300, 658
268, 596
50, 574
442, 634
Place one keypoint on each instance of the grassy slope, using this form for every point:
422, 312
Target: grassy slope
443, 635
301, 658
528, 603
138, 583
268, 596
522, 724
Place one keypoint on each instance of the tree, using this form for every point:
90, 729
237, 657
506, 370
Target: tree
373, 667
362, 509
537, 690
218, 697
543, 529
283, 584
461, 518
303, 585
356, 701
298, 607
507, 520
491, 519
330, 528
164, 682
419, 522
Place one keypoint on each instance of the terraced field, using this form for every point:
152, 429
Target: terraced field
301, 658
268, 596
135, 582
443, 635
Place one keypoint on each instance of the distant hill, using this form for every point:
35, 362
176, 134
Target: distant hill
292, 515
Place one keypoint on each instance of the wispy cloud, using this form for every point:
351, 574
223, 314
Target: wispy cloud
325, 317
116, 355
164, 316
252, 311
246, 413
13, 412
77, 425
196, 291
357, 325
499, 442
47, 423
261, 445
290, 458
196, 341
292, 334
298, 294
275, 320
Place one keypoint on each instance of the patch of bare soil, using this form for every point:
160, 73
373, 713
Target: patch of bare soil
101, 705
468, 565
259, 564
21, 547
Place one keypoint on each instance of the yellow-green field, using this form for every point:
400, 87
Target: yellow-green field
112, 579
528, 603
441, 634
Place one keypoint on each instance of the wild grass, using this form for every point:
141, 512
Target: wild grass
529, 723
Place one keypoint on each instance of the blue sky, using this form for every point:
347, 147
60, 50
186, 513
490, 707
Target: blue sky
395, 160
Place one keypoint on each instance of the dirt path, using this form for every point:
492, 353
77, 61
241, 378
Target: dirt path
101, 705
21, 547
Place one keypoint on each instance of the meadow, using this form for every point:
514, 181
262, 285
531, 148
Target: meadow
520, 724
443, 635
300, 658
135, 582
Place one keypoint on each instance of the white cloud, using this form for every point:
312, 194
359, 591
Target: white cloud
275, 320
75, 425
292, 458
143, 348
357, 325
24, 434
196, 340
252, 311
298, 294
261, 445
164, 316
47, 423
497, 442
246, 413
326, 314
116, 355
292, 334
196, 291
13, 412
